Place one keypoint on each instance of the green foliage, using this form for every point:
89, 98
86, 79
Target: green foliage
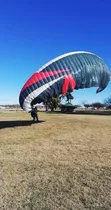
53, 103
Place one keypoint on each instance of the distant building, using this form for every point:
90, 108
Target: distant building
40, 107
2, 107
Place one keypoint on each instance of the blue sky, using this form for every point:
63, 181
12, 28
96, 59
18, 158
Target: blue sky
32, 32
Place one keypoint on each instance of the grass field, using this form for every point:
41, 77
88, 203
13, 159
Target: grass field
62, 163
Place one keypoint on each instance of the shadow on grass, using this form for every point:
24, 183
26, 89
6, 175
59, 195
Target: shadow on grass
16, 123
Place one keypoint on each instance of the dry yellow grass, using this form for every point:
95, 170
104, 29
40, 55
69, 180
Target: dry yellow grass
63, 163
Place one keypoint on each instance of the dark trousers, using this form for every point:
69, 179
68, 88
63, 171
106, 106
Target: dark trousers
35, 118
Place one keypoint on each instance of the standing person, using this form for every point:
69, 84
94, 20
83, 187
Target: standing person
34, 114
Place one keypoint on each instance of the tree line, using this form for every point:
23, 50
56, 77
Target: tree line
55, 102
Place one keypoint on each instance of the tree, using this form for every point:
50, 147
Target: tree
87, 105
53, 103
97, 105
107, 102
46, 106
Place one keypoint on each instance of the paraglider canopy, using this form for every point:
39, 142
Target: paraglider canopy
74, 70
